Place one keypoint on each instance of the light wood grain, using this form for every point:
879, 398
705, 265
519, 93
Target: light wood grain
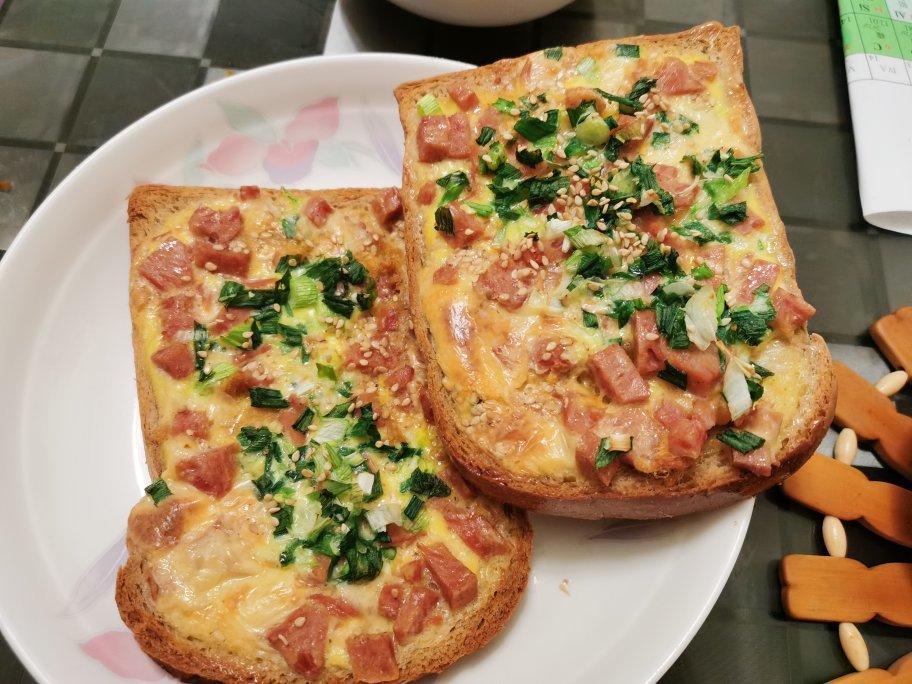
833, 488
893, 335
874, 417
828, 589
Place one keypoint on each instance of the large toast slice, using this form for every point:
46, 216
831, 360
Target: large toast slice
571, 219
304, 523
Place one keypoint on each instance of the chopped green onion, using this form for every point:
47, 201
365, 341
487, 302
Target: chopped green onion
660, 139
413, 508
479, 209
702, 272
443, 221
555, 53
453, 184
590, 320
304, 421
586, 67
627, 50
266, 397
504, 106
158, 491
428, 105
605, 456
326, 372
487, 133
672, 375
290, 226
303, 292
741, 440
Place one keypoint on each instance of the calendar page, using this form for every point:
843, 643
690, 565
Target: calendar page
877, 38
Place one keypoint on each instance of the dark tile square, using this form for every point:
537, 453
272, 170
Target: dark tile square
369, 27
689, 13
570, 29
36, 90
25, 168
248, 33
896, 258
162, 27
787, 18
68, 162
839, 273
623, 11
797, 80
74, 23
481, 45
812, 171
122, 89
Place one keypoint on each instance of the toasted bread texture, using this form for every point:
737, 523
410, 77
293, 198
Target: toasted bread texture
202, 589
479, 410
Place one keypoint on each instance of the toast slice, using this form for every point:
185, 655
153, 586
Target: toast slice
304, 523
594, 254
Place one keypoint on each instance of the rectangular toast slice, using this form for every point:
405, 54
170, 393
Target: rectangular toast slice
304, 522
600, 283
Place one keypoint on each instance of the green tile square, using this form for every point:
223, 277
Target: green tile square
839, 273
37, 89
162, 27
797, 80
25, 167
123, 89
248, 33
812, 171
73, 23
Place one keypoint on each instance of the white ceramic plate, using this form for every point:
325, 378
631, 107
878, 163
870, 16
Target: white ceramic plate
72, 457
482, 12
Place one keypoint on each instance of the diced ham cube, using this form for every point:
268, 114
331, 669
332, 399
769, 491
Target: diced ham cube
446, 275
683, 191
372, 657
686, 433
336, 606
211, 471
499, 284
389, 599
574, 97
464, 97
549, 355
191, 423
702, 367
473, 528
176, 315
648, 350
427, 193
467, 227
583, 421
400, 379
387, 206
240, 382
415, 604
763, 422
168, 266
677, 78
219, 227
616, 376
792, 311
444, 137
158, 527
452, 477
228, 318
318, 211
399, 536
175, 359
302, 642
248, 192
458, 584
756, 273
225, 261
752, 222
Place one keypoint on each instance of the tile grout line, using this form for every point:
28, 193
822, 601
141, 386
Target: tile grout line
69, 119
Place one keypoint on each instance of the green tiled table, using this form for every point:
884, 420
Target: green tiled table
74, 72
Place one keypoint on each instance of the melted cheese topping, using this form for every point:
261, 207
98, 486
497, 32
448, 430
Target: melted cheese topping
222, 581
485, 350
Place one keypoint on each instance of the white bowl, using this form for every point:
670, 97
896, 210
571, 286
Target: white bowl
481, 12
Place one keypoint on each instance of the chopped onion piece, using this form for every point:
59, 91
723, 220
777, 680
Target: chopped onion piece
556, 227
737, 394
331, 430
365, 481
700, 318
383, 515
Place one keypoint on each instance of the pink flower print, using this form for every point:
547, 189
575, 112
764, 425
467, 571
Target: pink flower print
318, 121
286, 159
236, 154
288, 162
118, 651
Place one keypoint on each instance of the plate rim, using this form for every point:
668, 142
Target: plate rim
30, 232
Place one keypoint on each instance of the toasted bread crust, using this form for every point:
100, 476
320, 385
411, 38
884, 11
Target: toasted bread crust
642, 496
192, 660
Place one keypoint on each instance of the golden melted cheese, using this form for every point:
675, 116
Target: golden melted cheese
222, 582
484, 349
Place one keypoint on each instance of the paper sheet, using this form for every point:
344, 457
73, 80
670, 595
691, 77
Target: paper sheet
877, 37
